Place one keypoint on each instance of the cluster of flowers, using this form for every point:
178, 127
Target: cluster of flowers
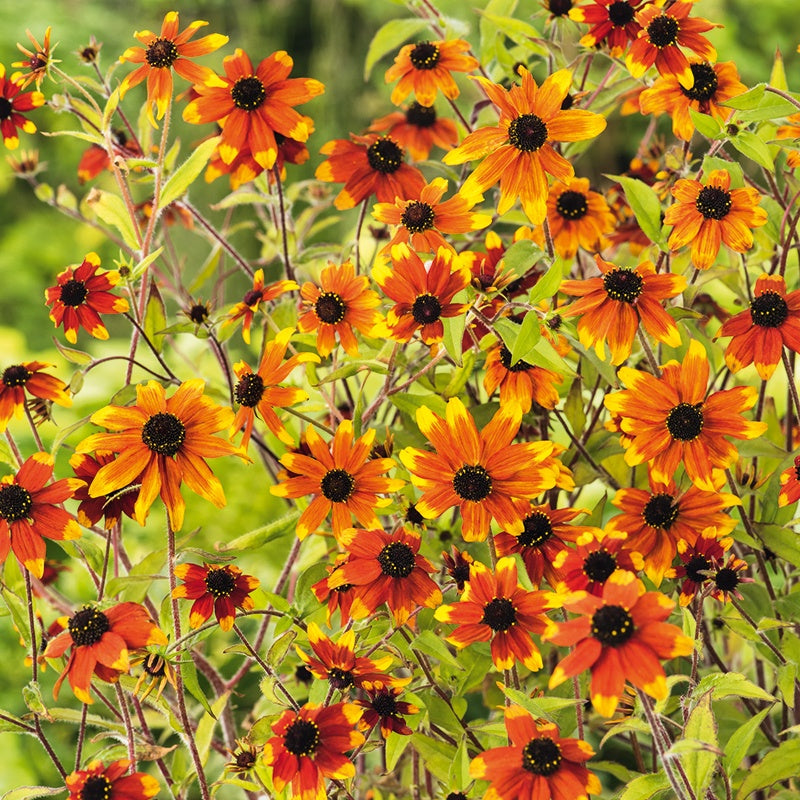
437, 299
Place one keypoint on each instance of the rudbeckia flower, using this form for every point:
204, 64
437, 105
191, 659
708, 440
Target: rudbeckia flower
418, 129
762, 331
164, 52
619, 636
790, 484
112, 782
251, 302
100, 643
38, 60
613, 24
14, 104
697, 562
30, 508
673, 418
29, 376
340, 598
425, 68
382, 706
706, 215
518, 150
162, 442
578, 217
111, 507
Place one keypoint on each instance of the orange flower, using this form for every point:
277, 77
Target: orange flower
113, 782
480, 472
712, 213
92, 509
664, 32
613, 23
251, 302
761, 331
28, 376
162, 442
537, 763
382, 706
791, 131
30, 509
252, 105
698, 560
340, 598
167, 51
673, 418
518, 150
494, 606
790, 484
260, 392
13, 105
713, 85
425, 68
418, 129
38, 60
100, 642
578, 217
423, 294
341, 302
621, 635
368, 165
340, 477
422, 220
612, 306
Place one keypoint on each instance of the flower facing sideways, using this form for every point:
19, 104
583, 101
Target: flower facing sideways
14, 104
252, 300
30, 377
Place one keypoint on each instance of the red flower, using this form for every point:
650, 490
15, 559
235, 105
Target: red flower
113, 782
340, 598
111, 506
251, 302
383, 706
417, 130
790, 484
28, 376
613, 23
698, 560
13, 104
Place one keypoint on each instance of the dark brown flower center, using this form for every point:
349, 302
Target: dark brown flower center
705, 83
330, 308
161, 54
198, 313
663, 31
499, 614
73, 292
252, 297
15, 502
559, 8
620, 13
572, 205
726, 579
88, 626
220, 582
624, 285
472, 483
6, 109
527, 133
599, 566
505, 360
421, 116
697, 565
713, 202
456, 796
154, 665
418, 217
425, 55
16, 375
245, 760
301, 737
685, 422
397, 560
769, 310
426, 309
541, 756
249, 390
164, 434
385, 155
96, 787
337, 485
385, 705
248, 93
340, 678
536, 530
612, 625
660, 511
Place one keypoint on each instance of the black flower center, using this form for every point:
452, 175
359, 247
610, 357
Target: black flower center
301, 737
499, 614
426, 309
425, 55
527, 133
505, 360
340, 678
685, 422
73, 292
696, 565
164, 434
572, 205
198, 313
612, 625
88, 626
663, 31
660, 511
6, 109
472, 483
397, 560
418, 217
161, 54
249, 390
385, 155
96, 787
705, 83
599, 566
769, 310
154, 665
16, 375
330, 308
624, 285
456, 796
713, 202
385, 705
536, 530
620, 13
337, 485
245, 760
252, 297
726, 579
15, 502
541, 756
220, 582
248, 93
421, 116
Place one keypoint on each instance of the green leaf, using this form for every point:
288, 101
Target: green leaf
458, 380
353, 368
190, 682
787, 675
437, 755
522, 256
389, 37
529, 334
111, 107
111, 210
739, 742
73, 356
777, 765
547, 285
409, 403
777, 77
29, 792
429, 643
185, 175
261, 536
733, 168
539, 706
454, 328
784, 542
395, 747
749, 100
19, 614
731, 684
645, 204
279, 648
11, 724
155, 318
752, 146
706, 125
145, 263
645, 787
32, 695
701, 731
205, 728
